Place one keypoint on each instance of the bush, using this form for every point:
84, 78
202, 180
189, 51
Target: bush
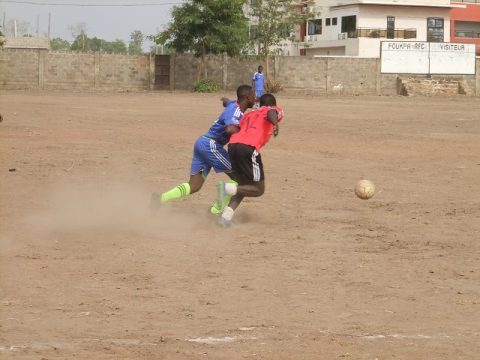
205, 86
274, 87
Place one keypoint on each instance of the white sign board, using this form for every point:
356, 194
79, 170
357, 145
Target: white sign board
404, 57
450, 58
410, 57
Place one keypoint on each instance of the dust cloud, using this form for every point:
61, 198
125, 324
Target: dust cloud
114, 208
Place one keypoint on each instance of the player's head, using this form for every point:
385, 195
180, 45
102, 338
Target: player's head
268, 100
260, 68
246, 94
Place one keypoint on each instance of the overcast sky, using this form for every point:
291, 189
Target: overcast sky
106, 22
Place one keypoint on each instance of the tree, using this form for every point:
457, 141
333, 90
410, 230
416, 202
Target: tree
135, 45
59, 44
101, 45
274, 22
117, 46
207, 27
79, 34
81, 43
2, 38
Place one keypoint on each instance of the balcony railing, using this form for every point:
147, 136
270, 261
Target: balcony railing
383, 33
467, 34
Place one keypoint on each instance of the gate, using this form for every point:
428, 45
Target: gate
162, 71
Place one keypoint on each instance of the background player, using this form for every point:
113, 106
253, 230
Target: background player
208, 150
258, 83
255, 131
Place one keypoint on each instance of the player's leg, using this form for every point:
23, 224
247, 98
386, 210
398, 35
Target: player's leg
258, 95
218, 158
199, 172
217, 208
247, 190
248, 164
182, 190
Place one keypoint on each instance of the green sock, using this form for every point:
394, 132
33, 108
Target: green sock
216, 209
177, 192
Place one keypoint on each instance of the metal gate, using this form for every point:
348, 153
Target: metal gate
162, 71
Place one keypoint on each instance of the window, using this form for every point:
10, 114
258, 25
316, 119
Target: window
349, 24
315, 27
327, 22
467, 29
435, 30
334, 21
390, 27
253, 31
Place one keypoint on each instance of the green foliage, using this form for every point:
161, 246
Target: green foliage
81, 42
84, 43
205, 86
135, 45
207, 27
59, 44
115, 47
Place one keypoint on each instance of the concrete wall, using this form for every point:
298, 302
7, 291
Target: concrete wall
29, 69
39, 69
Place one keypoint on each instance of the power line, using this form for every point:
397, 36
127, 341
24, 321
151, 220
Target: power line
89, 5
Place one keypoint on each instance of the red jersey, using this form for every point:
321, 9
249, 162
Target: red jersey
255, 129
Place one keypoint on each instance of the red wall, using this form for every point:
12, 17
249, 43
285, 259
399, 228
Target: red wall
470, 13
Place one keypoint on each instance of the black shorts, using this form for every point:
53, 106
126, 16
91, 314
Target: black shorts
246, 163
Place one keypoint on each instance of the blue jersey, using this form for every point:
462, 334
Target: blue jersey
230, 116
258, 79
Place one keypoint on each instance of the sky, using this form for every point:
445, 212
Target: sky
106, 22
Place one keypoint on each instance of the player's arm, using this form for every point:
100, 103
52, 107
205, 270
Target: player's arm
232, 124
272, 116
226, 101
232, 129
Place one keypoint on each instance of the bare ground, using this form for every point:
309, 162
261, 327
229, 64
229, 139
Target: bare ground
308, 272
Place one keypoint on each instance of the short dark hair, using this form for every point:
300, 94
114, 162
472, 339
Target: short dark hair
243, 91
268, 100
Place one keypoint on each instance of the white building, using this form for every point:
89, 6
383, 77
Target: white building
356, 27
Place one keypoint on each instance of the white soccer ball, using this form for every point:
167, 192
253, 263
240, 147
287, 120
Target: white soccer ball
365, 189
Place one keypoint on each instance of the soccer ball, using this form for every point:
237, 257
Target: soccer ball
364, 189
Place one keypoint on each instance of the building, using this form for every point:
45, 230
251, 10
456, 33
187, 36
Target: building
465, 23
356, 27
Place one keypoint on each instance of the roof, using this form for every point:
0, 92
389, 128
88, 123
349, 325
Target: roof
421, 3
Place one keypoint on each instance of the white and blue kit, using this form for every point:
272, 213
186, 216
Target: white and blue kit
258, 80
208, 150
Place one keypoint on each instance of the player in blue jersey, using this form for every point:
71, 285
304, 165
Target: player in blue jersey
209, 151
258, 83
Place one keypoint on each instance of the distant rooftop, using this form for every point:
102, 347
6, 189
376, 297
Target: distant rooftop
419, 3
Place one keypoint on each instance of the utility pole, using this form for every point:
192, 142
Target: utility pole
4, 16
49, 22
38, 24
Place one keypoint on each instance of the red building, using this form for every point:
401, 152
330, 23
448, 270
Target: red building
465, 23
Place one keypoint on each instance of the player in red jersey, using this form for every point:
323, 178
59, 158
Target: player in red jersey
256, 129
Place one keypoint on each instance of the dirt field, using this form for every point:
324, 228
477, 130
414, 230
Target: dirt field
308, 272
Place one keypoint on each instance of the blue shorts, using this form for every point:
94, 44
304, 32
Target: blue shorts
208, 154
258, 93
